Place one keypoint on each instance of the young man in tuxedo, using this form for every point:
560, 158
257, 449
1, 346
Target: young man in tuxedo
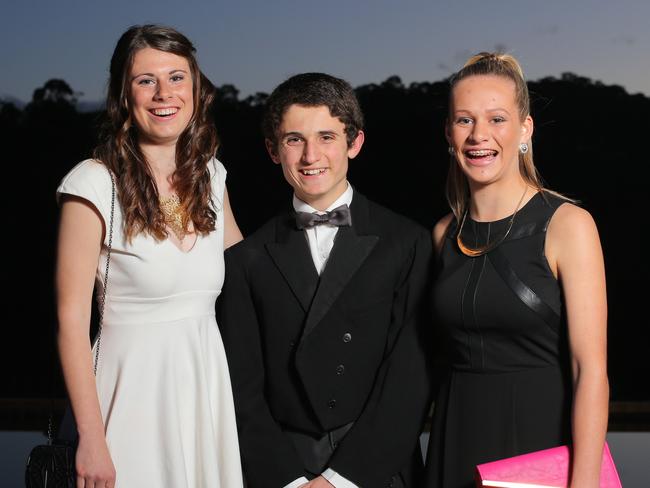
323, 312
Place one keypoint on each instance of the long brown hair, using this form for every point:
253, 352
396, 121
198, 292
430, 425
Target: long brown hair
506, 66
119, 150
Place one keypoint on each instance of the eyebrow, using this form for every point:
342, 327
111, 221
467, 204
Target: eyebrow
151, 74
499, 109
320, 133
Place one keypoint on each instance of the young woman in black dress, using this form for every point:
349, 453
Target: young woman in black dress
520, 294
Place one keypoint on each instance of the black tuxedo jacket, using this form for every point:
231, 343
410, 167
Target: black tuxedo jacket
312, 353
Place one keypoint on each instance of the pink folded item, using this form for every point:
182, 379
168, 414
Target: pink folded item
541, 469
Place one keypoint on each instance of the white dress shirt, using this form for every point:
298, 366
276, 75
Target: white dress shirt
321, 240
321, 237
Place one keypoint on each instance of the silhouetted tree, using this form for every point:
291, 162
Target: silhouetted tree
57, 91
227, 94
256, 100
393, 82
585, 146
10, 118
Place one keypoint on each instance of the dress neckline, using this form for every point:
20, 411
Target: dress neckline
526, 205
179, 249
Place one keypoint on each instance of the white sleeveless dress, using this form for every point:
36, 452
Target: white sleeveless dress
162, 378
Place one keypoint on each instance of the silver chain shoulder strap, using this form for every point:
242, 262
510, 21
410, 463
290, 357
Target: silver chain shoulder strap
102, 301
50, 422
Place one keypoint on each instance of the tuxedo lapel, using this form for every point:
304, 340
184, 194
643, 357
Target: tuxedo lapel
351, 248
290, 253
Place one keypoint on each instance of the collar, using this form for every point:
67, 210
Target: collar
344, 199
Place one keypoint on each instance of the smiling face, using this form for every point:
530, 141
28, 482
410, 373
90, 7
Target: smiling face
313, 151
485, 128
160, 95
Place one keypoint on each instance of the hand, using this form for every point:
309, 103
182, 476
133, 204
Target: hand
319, 482
94, 464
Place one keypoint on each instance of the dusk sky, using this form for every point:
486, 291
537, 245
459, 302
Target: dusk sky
257, 44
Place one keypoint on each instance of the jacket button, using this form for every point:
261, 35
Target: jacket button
332, 403
292, 344
340, 369
347, 337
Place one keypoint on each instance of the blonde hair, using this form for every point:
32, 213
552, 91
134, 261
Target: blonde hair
506, 66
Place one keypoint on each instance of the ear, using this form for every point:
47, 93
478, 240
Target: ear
355, 147
272, 149
527, 129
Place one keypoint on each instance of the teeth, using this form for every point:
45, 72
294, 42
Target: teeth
164, 111
482, 152
312, 171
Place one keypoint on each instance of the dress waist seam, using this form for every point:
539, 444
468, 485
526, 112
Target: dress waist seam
128, 299
186, 319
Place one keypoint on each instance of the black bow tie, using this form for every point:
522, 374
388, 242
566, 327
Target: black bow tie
339, 216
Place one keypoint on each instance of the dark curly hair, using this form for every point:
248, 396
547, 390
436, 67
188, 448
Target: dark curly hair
119, 150
312, 90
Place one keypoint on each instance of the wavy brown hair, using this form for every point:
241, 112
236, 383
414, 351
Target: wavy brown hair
119, 150
506, 66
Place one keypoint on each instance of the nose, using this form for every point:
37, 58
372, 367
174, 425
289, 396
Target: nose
479, 132
163, 91
310, 153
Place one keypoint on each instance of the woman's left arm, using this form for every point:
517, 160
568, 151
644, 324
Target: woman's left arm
232, 234
574, 253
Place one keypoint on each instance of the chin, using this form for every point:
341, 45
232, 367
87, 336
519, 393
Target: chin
481, 173
313, 191
308, 196
165, 139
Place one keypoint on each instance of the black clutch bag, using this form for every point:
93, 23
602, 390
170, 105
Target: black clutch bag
52, 465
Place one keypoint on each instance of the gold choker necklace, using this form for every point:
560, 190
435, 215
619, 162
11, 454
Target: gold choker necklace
174, 215
472, 253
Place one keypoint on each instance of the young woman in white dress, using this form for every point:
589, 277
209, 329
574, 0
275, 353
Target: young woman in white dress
159, 411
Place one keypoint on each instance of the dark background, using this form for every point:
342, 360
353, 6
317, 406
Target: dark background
589, 144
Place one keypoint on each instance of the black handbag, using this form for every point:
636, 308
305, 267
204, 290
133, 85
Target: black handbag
52, 465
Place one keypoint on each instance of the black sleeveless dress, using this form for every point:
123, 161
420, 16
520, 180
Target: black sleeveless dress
508, 389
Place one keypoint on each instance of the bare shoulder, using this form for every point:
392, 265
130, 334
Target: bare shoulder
570, 221
440, 231
572, 238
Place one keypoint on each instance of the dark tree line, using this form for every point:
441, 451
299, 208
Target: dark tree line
588, 144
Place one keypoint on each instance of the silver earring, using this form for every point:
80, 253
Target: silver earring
450, 150
523, 148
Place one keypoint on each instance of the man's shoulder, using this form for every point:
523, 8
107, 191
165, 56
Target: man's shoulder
392, 222
254, 243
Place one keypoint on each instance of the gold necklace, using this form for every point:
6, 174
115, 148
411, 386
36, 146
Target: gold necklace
174, 215
472, 253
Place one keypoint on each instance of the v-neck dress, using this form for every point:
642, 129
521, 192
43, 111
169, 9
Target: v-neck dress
162, 377
508, 390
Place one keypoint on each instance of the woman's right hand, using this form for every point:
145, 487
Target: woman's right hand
94, 464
